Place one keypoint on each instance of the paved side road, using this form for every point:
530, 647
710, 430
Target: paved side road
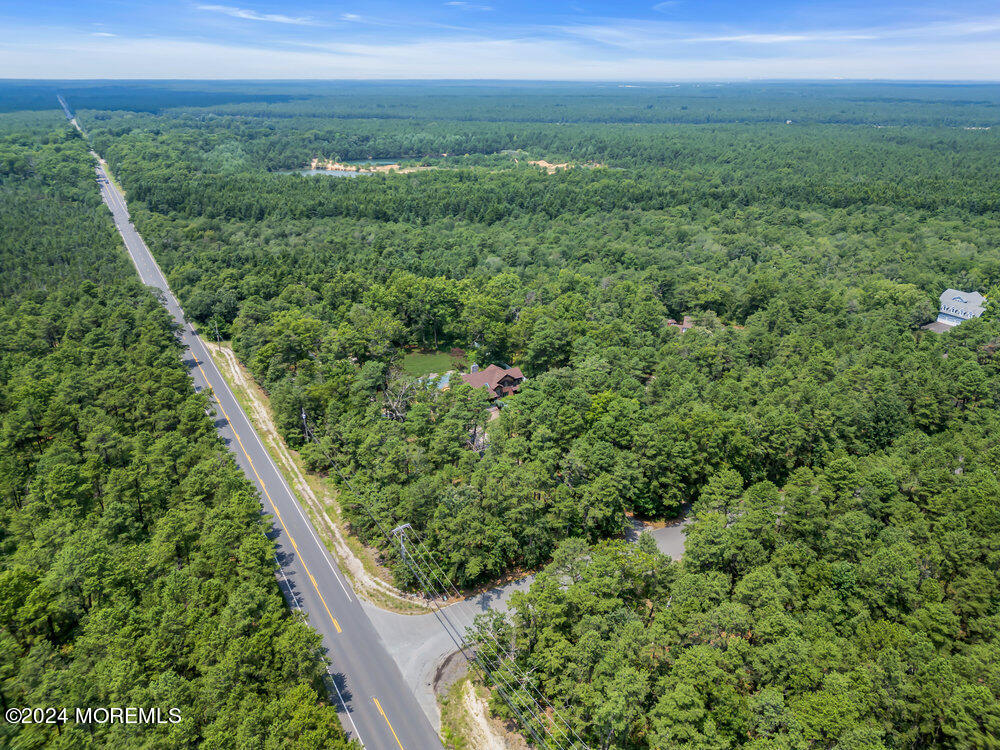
421, 643
376, 706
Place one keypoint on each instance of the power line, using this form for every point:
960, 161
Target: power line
524, 677
518, 675
476, 659
494, 659
487, 658
488, 668
497, 659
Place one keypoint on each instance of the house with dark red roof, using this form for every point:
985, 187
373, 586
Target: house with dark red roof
684, 325
498, 381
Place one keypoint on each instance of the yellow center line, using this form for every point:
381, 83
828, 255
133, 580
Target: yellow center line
379, 707
275, 508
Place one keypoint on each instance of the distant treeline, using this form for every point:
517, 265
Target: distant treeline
828, 243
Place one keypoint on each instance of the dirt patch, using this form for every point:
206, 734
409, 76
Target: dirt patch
366, 584
483, 735
549, 167
553, 168
450, 671
329, 164
468, 718
488, 732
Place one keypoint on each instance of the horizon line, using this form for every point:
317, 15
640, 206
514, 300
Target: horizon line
955, 81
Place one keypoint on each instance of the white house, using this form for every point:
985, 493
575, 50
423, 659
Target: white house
958, 307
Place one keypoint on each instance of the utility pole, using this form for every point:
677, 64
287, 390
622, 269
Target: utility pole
485, 653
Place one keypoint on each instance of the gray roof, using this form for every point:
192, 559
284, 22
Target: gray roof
961, 304
969, 298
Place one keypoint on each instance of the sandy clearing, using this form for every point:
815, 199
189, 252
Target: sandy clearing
487, 733
549, 167
330, 165
553, 168
482, 737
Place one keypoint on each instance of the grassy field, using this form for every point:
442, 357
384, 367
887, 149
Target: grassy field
419, 364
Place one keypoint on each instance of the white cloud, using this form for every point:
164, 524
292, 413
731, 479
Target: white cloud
781, 38
565, 59
103, 33
350, 17
665, 6
960, 28
626, 35
252, 15
468, 6
659, 35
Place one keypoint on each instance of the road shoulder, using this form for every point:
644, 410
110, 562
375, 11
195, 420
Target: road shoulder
314, 493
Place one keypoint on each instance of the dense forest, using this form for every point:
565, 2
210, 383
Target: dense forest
838, 463
134, 566
809, 253
852, 606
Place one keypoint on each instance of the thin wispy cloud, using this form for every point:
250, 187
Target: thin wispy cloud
667, 40
780, 38
357, 18
958, 28
252, 15
632, 35
467, 6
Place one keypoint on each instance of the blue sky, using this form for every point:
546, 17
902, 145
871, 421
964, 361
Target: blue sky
508, 39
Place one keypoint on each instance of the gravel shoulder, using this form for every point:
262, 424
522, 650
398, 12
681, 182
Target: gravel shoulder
317, 498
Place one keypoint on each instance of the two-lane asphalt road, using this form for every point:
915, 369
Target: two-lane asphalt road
376, 705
